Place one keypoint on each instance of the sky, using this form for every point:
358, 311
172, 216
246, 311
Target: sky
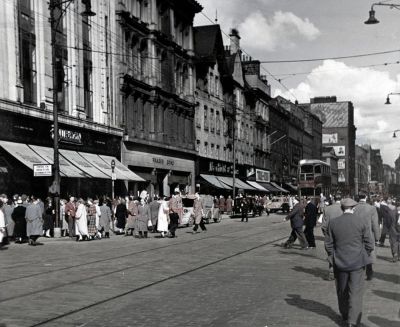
274, 30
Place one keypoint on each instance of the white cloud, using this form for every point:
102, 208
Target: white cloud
366, 88
283, 30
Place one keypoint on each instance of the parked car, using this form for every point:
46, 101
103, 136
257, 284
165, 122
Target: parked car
278, 203
187, 216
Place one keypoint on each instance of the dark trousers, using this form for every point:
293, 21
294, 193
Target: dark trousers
174, 223
369, 271
71, 226
394, 239
382, 239
349, 290
297, 233
202, 225
309, 233
244, 215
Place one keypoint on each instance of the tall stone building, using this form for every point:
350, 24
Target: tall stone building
363, 168
85, 88
338, 132
157, 88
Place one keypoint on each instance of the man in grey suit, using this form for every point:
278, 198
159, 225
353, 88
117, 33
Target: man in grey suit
368, 212
331, 212
349, 244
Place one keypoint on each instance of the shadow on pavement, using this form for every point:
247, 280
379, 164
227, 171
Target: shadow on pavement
382, 322
388, 295
315, 307
384, 258
392, 278
307, 254
316, 272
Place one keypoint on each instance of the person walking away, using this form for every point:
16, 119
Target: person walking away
8, 209
48, 221
175, 212
228, 205
105, 218
131, 220
365, 211
198, 213
386, 214
394, 236
81, 223
34, 221
70, 210
222, 204
216, 211
162, 218
244, 208
322, 200
143, 218
310, 221
92, 211
2, 226
18, 216
121, 213
331, 212
64, 221
296, 223
349, 244
154, 208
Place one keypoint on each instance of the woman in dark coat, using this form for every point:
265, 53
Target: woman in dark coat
121, 213
18, 215
49, 215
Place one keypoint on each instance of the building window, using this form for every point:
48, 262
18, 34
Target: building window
217, 86
206, 118
218, 123
197, 145
206, 148
212, 120
87, 68
212, 149
28, 51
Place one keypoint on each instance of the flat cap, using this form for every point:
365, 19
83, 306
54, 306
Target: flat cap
348, 203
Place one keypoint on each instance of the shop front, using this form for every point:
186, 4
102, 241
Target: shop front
161, 170
85, 158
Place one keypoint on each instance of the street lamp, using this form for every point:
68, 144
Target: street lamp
394, 132
372, 19
113, 178
388, 99
56, 163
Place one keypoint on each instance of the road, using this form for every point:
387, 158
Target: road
235, 274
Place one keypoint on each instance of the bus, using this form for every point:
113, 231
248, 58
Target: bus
314, 177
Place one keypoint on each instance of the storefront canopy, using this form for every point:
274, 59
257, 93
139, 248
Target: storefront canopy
258, 186
238, 182
215, 182
72, 163
281, 189
269, 187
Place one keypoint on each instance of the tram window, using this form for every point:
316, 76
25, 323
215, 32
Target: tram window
306, 169
317, 169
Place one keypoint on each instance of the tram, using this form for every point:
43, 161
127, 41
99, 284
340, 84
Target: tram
314, 177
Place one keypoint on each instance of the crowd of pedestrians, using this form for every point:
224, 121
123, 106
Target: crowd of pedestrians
352, 231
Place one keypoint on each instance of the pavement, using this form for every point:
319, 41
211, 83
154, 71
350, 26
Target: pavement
235, 274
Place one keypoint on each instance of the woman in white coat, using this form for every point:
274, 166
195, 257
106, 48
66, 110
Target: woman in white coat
81, 228
162, 219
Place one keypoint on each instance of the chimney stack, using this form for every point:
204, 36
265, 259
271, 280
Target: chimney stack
234, 40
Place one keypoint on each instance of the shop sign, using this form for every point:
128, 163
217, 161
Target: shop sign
340, 150
330, 138
42, 170
162, 161
67, 136
262, 176
220, 167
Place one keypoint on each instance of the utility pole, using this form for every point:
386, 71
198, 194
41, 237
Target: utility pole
56, 163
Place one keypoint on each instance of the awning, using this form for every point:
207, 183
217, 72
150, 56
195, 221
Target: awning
23, 153
269, 187
281, 189
67, 169
238, 182
76, 159
257, 186
122, 170
215, 182
291, 187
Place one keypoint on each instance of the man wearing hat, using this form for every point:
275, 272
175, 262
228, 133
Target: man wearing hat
296, 222
349, 244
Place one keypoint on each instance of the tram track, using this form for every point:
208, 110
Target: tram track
157, 282
131, 254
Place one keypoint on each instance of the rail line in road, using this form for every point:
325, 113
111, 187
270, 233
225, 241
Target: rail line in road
131, 254
174, 276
